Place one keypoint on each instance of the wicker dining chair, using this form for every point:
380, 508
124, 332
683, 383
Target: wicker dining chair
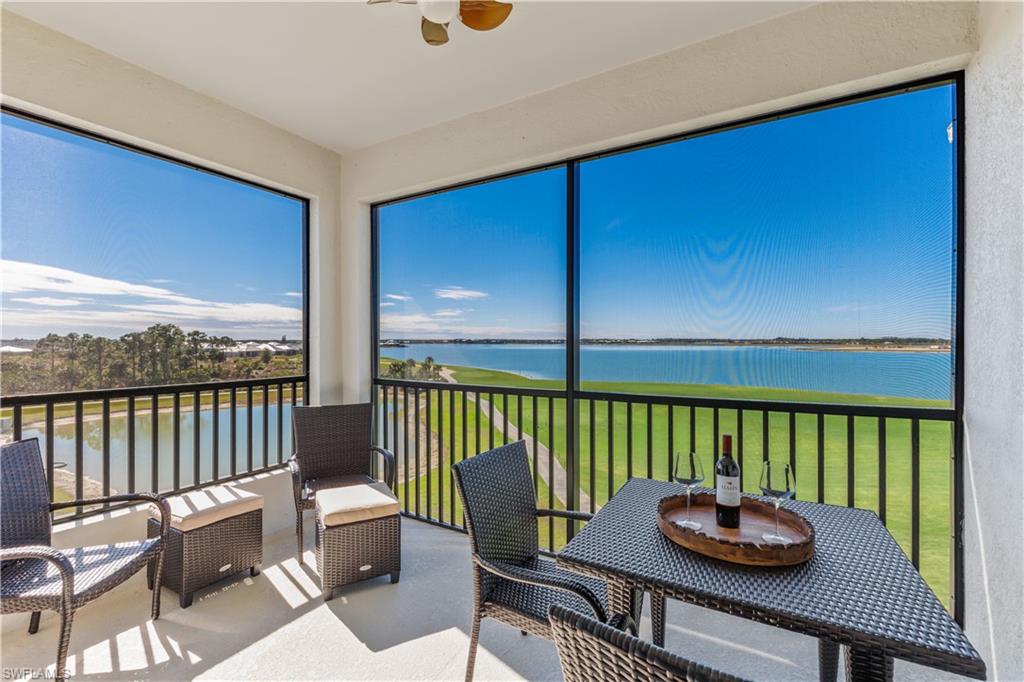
36, 577
333, 449
591, 651
511, 583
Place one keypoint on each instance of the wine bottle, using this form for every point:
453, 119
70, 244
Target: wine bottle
727, 491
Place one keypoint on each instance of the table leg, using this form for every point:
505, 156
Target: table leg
658, 619
624, 599
866, 664
636, 596
828, 660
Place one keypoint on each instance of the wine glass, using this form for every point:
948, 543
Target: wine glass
690, 473
778, 481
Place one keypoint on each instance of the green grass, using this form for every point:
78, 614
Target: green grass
432, 494
36, 414
637, 457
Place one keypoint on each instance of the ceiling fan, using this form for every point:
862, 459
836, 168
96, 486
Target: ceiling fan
479, 15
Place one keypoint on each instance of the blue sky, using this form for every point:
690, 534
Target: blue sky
837, 223
101, 240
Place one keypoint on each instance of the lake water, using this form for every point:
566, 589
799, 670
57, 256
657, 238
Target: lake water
92, 450
905, 375
909, 375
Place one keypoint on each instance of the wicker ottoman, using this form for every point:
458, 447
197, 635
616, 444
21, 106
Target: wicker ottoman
358, 535
215, 533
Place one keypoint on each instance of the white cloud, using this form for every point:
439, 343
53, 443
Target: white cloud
449, 312
386, 305
161, 281
52, 302
245, 313
293, 294
19, 276
124, 306
398, 297
420, 324
459, 293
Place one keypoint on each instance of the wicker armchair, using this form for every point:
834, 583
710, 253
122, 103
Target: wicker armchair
591, 651
511, 583
34, 576
333, 448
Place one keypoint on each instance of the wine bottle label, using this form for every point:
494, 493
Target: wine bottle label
728, 491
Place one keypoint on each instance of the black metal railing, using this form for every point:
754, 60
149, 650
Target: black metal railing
897, 461
100, 442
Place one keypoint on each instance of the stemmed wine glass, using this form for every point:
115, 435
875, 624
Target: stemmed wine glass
778, 481
689, 472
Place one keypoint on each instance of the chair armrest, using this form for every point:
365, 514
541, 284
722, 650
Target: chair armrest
521, 574
158, 500
45, 553
389, 465
293, 467
565, 514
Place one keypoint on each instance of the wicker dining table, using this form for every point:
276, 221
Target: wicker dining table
858, 590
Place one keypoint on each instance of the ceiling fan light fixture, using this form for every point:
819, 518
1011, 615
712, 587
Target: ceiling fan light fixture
439, 11
484, 15
433, 34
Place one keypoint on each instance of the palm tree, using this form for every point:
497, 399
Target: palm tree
95, 347
132, 345
196, 340
50, 343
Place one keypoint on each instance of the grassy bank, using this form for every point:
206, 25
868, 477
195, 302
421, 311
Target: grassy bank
610, 468
35, 415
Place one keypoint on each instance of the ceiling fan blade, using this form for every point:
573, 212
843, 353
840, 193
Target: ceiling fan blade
484, 15
434, 34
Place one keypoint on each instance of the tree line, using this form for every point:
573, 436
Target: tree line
161, 354
409, 369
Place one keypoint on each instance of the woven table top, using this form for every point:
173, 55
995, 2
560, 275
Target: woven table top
859, 587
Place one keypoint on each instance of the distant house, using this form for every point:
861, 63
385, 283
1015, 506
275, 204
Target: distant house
252, 349
14, 349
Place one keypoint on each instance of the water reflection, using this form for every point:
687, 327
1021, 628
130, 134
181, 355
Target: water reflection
278, 449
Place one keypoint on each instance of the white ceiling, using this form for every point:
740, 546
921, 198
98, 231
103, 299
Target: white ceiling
347, 75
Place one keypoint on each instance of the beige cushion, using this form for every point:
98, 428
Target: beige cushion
202, 507
362, 502
315, 484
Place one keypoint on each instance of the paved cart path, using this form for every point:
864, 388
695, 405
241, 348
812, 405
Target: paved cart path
558, 481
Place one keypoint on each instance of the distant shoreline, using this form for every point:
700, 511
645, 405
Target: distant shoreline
865, 346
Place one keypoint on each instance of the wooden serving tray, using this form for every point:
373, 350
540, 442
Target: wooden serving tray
743, 545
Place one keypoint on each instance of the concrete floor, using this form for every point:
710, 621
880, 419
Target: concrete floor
276, 627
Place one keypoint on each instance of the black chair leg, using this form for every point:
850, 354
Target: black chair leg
185, 600
66, 618
394, 577
158, 578
33, 623
474, 639
255, 570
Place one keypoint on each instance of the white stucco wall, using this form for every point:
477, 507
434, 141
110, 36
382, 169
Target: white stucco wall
51, 74
994, 339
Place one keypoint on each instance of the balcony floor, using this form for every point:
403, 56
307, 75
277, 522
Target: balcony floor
276, 627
